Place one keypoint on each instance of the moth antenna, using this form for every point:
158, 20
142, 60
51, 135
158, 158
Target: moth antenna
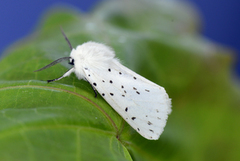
66, 38
53, 63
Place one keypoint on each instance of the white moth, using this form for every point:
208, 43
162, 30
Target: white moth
142, 104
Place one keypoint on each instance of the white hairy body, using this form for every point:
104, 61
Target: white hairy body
144, 105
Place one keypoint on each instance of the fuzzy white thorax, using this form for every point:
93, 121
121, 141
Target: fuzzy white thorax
91, 55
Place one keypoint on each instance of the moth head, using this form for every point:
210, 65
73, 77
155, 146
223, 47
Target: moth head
71, 61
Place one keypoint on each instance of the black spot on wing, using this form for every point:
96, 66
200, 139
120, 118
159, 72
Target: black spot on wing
137, 92
111, 94
103, 94
134, 78
147, 90
109, 70
133, 118
126, 109
151, 130
111, 81
95, 84
134, 88
149, 123
120, 73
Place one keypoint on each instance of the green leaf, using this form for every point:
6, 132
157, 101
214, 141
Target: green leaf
157, 39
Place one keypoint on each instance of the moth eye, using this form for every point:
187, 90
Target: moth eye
71, 61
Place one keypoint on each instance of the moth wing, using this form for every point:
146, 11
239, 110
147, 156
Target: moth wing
143, 104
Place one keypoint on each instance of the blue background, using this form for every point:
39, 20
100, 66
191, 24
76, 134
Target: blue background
221, 20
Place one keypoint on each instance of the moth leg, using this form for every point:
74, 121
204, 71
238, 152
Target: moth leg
93, 89
64, 75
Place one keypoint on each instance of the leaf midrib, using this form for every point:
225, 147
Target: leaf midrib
68, 91
28, 128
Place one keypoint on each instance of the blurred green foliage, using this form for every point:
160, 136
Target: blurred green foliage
159, 40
